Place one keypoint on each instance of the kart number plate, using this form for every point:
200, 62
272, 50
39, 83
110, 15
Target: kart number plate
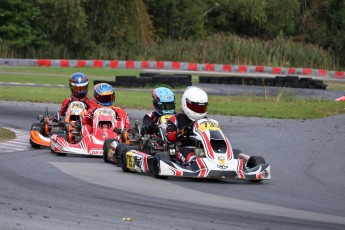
221, 162
208, 125
130, 161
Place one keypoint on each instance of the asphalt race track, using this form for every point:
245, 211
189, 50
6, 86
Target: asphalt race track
40, 190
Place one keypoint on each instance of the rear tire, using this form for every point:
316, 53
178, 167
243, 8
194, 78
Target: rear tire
156, 164
106, 147
236, 152
39, 128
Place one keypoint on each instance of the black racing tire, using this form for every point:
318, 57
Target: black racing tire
121, 150
34, 145
236, 152
255, 161
158, 157
106, 147
65, 137
38, 127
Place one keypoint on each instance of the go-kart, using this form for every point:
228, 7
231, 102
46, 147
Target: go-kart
136, 140
105, 125
215, 158
40, 133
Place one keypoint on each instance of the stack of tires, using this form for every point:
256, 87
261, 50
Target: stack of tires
151, 80
279, 81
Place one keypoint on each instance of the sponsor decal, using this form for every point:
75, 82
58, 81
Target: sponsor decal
96, 152
222, 166
165, 118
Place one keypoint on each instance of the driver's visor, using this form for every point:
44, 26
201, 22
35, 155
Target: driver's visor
197, 107
79, 88
168, 105
105, 98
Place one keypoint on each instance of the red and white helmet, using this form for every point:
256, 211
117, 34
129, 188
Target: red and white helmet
194, 103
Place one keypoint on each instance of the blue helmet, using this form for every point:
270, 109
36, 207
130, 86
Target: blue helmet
104, 94
163, 101
79, 84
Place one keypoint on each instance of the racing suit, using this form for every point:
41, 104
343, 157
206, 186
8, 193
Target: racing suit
121, 118
89, 102
175, 131
150, 123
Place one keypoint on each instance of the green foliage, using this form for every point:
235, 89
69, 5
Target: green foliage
19, 24
143, 30
65, 24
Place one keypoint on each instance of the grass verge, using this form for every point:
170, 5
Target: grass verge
282, 105
6, 134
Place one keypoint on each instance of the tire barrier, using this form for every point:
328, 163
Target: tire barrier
279, 81
172, 65
151, 80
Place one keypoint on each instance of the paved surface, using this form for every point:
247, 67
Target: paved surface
20, 143
40, 190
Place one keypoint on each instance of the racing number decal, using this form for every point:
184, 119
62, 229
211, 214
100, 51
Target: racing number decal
165, 118
77, 106
221, 161
104, 112
130, 161
208, 125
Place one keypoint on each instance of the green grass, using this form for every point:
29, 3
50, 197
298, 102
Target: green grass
6, 134
282, 105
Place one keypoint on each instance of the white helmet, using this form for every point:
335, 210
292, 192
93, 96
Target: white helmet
194, 103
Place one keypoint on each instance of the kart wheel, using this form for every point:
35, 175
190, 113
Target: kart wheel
236, 152
254, 161
156, 164
124, 162
106, 147
39, 128
65, 137
121, 150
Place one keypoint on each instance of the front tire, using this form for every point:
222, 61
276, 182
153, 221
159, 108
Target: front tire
106, 147
254, 161
120, 153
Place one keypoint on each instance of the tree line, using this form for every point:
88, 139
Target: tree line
128, 29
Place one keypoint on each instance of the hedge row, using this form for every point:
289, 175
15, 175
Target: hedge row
280, 81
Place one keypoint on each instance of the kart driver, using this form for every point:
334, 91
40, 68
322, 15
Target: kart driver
104, 96
194, 107
163, 100
79, 84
